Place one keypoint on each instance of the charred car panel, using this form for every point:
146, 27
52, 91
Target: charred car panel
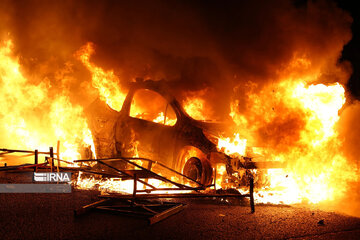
119, 134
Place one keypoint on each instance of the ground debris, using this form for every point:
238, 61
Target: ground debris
321, 222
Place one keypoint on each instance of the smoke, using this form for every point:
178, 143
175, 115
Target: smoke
212, 44
233, 49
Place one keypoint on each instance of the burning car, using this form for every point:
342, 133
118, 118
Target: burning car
164, 132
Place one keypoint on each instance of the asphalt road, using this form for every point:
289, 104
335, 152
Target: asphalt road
51, 216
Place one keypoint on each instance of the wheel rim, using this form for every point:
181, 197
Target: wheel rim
193, 169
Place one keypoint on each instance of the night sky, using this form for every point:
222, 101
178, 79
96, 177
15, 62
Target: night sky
351, 51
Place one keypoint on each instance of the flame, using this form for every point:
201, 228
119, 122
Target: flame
110, 185
235, 146
296, 121
195, 107
109, 87
107, 83
322, 104
161, 119
312, 110
220, 174
316, 169
70, 125
34, 119
117, 185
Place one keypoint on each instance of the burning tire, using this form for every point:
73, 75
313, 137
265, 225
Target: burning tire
193, 169
198, 170
193, 164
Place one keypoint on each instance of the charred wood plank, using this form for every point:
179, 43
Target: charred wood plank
88, 207
165, 214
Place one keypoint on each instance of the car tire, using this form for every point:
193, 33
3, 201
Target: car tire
192, 163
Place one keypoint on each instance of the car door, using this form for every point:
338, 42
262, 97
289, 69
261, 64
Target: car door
149, 129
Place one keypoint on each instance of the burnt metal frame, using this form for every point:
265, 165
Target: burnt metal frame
153, 211
133, 206
146, 173
130, 203
34, 153
49, 162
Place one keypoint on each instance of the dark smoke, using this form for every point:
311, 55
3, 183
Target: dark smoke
192, 44
195, 44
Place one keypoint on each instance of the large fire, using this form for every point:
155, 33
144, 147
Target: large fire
316, 169
315, 158
32, 118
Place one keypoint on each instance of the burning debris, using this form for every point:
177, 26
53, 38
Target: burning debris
147, 184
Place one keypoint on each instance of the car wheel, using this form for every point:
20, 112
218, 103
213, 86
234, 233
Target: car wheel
192, 163
193, 169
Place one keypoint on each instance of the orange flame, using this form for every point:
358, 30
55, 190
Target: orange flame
296, 123
195, 107
106, 82
33, 119
233, 147
317, 169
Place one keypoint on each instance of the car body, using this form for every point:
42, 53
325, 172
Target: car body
187, 146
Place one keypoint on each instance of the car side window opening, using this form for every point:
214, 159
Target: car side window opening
151, 106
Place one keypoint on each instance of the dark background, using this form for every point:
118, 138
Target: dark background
351, 50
